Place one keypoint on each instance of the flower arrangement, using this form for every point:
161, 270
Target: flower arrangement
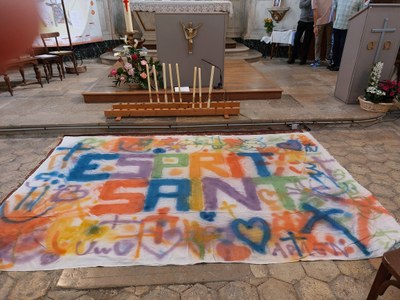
132, 67
268, 25
377, 91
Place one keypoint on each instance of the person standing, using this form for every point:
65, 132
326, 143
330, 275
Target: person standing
322, 24
343, 10
305, 25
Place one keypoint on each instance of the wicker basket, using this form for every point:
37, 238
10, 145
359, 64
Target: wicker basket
374, 107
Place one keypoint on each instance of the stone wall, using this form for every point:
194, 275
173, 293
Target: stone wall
257, 10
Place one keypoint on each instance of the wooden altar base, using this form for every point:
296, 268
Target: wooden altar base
242, 82
173, 109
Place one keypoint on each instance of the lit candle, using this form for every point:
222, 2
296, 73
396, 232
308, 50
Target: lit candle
210, 86
164, 74
200, 88
178, 77
194, 85
128, 16
148, 82
171, 82
156, 82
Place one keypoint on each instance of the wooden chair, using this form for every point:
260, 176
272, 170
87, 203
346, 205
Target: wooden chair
47, 60
390, 267
59, 52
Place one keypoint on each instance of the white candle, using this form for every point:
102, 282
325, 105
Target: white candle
210, 86
171, 82
164, 74
128, 16
200, 88
156, 82
149, 82
178, 77
194, 85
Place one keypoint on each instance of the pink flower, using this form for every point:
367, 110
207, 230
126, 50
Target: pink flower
128, 66
143, 75
131, 72
122, 79
113, 72
143, 62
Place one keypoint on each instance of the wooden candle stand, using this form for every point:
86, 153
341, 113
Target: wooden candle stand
173, 109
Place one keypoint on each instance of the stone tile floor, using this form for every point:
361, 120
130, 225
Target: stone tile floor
370, 153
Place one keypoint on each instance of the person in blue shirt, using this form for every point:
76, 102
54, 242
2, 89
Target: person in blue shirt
343, 10
306, 26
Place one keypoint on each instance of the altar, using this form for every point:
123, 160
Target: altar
144, 12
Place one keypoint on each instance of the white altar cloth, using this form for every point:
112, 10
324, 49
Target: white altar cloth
280, 37
179, 6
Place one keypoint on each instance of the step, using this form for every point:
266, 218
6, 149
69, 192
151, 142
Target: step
239, 52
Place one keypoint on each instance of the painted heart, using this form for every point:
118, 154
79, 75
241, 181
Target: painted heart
171, 237
231, 252
254, 232
208, 215
290, 145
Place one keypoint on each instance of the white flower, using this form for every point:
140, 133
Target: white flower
375, 90
375, 75
131, 72
143, 51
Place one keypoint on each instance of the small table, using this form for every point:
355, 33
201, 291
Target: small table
277, 37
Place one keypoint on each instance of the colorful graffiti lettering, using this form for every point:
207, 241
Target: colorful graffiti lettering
158, 200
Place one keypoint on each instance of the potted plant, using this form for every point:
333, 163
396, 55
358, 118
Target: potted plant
268, 25
378, 95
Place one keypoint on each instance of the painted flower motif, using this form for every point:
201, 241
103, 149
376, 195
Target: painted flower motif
143, 62
143, 75
134, 56
113, 72
131, 72
122, 78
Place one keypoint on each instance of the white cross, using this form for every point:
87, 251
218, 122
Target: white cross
382, 31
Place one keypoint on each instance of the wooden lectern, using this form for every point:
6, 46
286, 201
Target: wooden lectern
373, 35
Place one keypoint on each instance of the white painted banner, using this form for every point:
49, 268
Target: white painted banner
83, 21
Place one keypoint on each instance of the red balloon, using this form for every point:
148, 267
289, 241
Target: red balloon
19, 26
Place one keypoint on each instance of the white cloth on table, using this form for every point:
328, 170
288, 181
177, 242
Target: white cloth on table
280, 37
